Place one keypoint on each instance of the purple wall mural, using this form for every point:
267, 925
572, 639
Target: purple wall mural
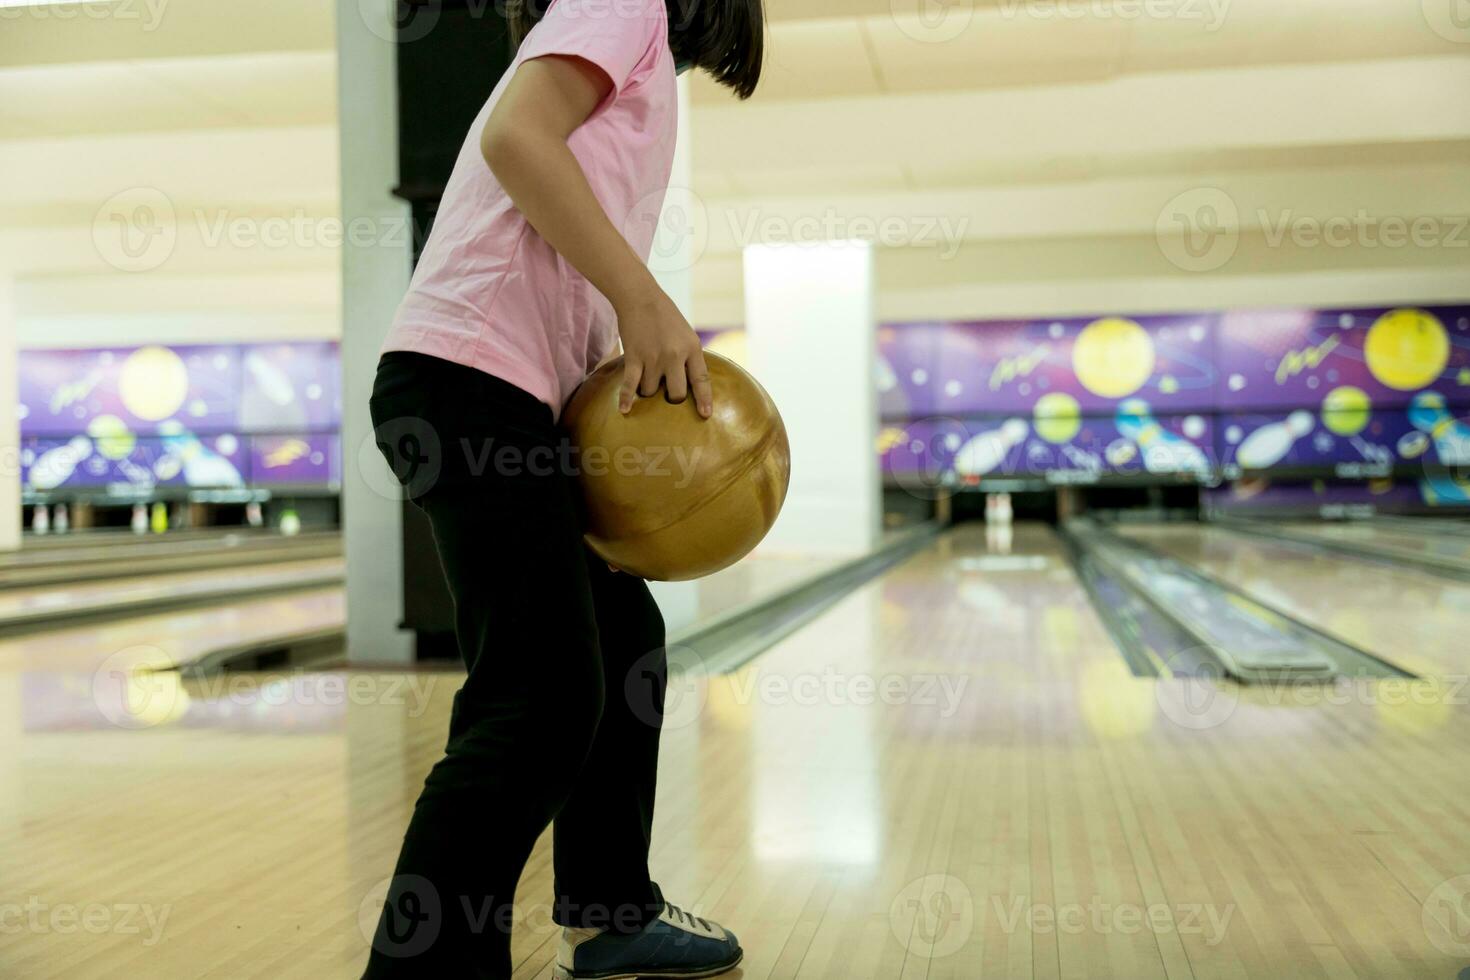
1348, 392
221, 416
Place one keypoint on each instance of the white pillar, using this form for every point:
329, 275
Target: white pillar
672, 259
374, 279
811, 329
10, 522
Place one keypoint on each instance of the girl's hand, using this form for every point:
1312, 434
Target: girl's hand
659, 346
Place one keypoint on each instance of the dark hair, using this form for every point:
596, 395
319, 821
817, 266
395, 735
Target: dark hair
726, 38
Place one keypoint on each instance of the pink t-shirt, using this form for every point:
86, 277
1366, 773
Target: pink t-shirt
489, 292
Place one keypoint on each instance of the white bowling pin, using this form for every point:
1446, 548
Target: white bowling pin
55, 466
60, 519
253, 516
41, 519
989, 450
1269, 444
140, 519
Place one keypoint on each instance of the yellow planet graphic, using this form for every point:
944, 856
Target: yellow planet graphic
153, 383
1346, 410
1058, 417
1407, 349
113, 437
1113, 357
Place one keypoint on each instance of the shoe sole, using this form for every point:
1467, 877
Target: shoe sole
562, 973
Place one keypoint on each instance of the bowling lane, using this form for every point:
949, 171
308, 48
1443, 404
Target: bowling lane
30, 607
1411, 618
1390, 539
175, 637
948, 775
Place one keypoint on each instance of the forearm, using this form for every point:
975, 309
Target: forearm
546, 183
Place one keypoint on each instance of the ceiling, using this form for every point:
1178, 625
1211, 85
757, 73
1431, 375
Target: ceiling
1047, 136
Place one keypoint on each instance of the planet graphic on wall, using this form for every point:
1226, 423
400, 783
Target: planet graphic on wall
153, 383
1407, 349
1113, 357
112, 436
1058, 417
1347, 410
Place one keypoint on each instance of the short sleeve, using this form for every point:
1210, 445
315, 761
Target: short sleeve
614, 35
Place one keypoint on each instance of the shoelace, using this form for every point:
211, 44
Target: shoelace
695, 920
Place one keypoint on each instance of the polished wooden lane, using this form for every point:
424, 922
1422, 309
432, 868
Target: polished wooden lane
948, 775
1394, 540
171, 638
1415, 620
47, 604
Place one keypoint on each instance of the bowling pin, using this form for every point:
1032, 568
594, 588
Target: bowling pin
253, 516
60, 519
140, 519
1004, 509
988, 450
1269, 444
41, 519
290, 523
55, 466
159, 522
1429, 413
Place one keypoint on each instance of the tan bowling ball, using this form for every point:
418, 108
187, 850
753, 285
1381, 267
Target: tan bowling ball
671, 496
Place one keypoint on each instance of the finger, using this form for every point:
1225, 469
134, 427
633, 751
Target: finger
704, 396
652, 375
676, 385
632, 374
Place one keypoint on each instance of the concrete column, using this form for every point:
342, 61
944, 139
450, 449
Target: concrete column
811, 329
10, 522
672, 261
374, 279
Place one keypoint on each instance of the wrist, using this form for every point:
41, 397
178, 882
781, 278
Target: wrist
639, 295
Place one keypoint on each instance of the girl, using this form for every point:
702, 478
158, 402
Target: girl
535, 268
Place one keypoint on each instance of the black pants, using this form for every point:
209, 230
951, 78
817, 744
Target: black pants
559, 717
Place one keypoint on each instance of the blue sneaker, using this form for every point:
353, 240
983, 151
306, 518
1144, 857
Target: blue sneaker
676, 944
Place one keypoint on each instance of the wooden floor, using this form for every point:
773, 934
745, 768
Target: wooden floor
949, 775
